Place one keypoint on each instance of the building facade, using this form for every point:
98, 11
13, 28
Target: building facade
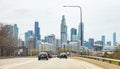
15, 31
114, 39
51, 40
103, 40
74, 45
73, 34
63, 31
37, 30
99, 42
28, 34
87, 44
58, 43
81, 33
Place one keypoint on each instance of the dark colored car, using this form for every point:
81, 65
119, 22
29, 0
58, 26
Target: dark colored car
63, 55
49, 55
43, 55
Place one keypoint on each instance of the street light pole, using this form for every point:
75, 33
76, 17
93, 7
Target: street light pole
64, 47
80, 22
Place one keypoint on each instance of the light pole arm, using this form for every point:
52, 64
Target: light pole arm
81, 38
80, 11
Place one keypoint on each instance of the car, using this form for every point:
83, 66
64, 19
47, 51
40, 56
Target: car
43, 55
63, 55
49, 55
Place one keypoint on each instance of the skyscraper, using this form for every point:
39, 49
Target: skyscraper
37, 31
81, 32
63, 31
73, 34
103, 40
114, 39
28, 34
15, 31
10, 27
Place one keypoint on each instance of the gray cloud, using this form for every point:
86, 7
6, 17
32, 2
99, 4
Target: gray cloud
99, 16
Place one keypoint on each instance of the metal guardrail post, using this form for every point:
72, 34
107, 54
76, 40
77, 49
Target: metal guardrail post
102, 59
110, 61
119, 63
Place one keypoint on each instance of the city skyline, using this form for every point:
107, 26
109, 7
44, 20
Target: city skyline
98, 19
59, 34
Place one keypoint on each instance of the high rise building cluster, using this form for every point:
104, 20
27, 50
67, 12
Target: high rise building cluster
101, 42
14, 30
32, 38
50, 43
76, 39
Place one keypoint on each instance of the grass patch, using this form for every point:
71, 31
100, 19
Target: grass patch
114, 62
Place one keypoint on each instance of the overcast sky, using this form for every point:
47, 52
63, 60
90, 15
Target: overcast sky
100, 17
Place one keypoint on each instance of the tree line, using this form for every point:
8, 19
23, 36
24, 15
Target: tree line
114, 55
7, 41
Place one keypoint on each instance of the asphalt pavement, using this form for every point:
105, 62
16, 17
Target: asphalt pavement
53, 63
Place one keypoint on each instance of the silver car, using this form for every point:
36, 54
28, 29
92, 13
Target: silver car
43, 55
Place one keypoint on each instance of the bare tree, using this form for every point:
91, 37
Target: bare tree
7, 40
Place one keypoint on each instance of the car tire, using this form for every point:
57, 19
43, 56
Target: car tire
46, 58
38, 58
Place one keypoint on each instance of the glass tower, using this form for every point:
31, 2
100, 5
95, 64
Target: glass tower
28, 34
15, 31
37, 31
103, 40
63, 31
81, 33
114, 39
73, 34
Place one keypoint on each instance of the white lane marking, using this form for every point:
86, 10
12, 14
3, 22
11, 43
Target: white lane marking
15, 64
85, 66
82, 64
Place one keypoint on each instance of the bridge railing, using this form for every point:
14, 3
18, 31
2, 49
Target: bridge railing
112, 61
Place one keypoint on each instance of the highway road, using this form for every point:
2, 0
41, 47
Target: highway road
54, 63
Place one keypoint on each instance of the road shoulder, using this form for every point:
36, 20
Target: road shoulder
98, 63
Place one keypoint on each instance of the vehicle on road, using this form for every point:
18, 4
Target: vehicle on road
63, 55
49, 55
43, 55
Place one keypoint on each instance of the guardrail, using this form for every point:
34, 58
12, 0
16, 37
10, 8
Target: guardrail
102, 59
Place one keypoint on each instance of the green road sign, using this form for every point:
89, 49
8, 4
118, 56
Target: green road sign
81, 50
